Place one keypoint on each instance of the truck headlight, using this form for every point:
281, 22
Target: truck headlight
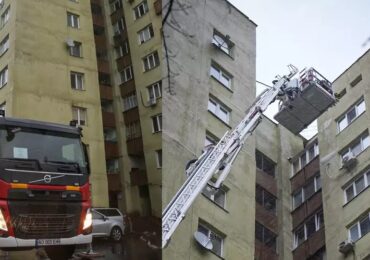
88, 220
3, 226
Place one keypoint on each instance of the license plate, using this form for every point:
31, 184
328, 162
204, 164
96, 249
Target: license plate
47, 242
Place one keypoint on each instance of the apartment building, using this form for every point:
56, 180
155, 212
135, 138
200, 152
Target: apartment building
128, 50
211, 57
49, 72
344, 163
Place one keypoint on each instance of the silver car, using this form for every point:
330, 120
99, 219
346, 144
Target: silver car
108, 222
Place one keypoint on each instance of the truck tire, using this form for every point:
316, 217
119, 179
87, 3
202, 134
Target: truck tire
116, 234
60, 252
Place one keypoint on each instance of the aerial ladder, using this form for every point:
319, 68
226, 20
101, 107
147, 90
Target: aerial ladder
216, 161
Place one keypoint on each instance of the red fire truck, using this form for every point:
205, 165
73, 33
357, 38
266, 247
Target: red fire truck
44, 187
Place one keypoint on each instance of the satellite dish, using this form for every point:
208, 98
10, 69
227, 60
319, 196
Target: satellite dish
203, 240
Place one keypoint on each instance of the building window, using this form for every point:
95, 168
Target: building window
112, 166
4, 45
222, 42
126, 74
129, 102
77, 80
155, 91
5, 17
351, 114
218, 196
4, 77
73, 20
353, 189
307, 156
211, 139
265, 236
219, 110
151, 61
76, 49
79, 114
356, 80
265, 164
157, 123
265, 199
115, 5
110, 134
122, 50
158, 155
360, 228
357, 146
306, 192
215, 238
133, 130
146, 34
221, 75
309, 227
119, 26
141, 9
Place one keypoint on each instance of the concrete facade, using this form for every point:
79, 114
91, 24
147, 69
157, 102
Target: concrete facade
186, 122
39, 67
349, 209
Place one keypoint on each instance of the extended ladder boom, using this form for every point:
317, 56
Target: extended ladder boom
218, 159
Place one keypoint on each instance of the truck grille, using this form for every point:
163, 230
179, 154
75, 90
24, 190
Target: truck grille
44, 219
42, 225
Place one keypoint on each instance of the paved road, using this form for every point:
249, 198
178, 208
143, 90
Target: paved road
132, 247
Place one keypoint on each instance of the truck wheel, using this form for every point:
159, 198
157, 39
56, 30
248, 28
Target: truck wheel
60, 252
116, 234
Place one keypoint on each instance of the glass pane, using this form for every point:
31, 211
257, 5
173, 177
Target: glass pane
259, 232
320, 219
225, 80
212, 106
269, 202
259, 195
351, 115
350, 193
311, 153
361, 107
365, 142
219, 198
309, 190
215, 73
356, 149
303, 160
354, 233
311, 226
297, 199
295, 166
299, 236
217, 243
268, 166
342, 124
318, 182
223, 114
360, 184
203, 230
365, 225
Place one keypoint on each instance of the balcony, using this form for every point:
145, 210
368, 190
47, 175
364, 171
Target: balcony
135, 146
114, 182
127, 87
100, 42
307, 208
266, 181
111, 150
103, 66
106, 92
123, 62
264, 252
108, 119
309, 247
266, 218
118, 14
138, 177
158, 7
131, 116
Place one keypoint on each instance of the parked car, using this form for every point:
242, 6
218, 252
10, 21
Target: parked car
108, 222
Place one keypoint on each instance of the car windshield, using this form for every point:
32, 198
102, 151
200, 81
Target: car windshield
45, 147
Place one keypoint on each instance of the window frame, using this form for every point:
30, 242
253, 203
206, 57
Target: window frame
218, 107
357, 141
79, 111
129, 102
217, 72
305, 153
352, 185
229, 44
126, 74
156, 123
358, 226
133, 130
213, 232
5, 17
118, 27
344, 116
316, 181
76, 76
76, 49
140, 13
158, 157
4, 44
151, 61
73, 20
318, 226
155, 88
145, 34
4, 76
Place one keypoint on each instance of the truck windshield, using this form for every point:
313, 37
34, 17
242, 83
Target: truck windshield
46, 147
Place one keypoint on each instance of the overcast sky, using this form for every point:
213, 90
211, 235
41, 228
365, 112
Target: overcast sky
328, 35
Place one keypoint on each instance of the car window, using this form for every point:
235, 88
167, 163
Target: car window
109, 212
96, 215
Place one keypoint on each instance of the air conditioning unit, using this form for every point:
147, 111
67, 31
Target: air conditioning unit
70, 43
348, 161
346, 246
152, 102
